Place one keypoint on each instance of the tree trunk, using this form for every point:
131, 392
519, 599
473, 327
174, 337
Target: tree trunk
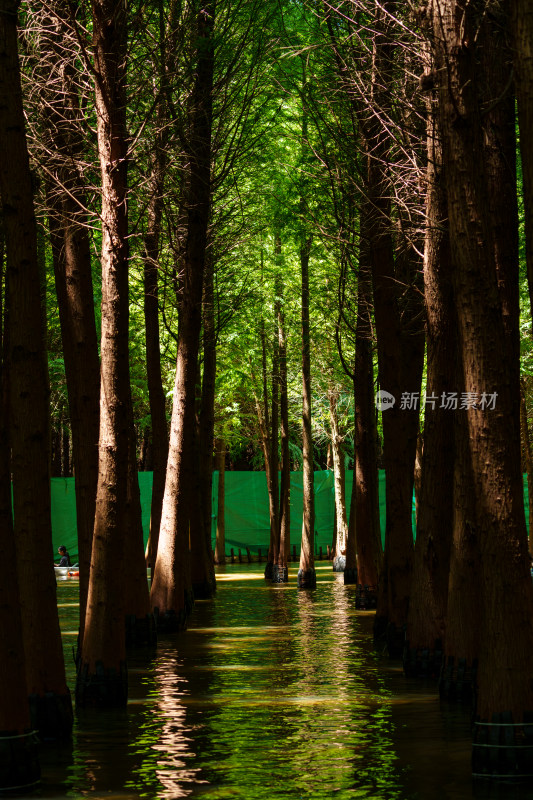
339, 544
18, 755
171, 594
140, 625
476, 115
202, 566
522, 20
306, 572
156, 393
526, 445
273, 490
364, 514
280, 572
102, 675
400, 356
220, 549
29, 394
429, 596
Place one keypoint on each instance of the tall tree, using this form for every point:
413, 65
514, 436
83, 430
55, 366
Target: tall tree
29, 411
425, 633
171, 593
18, 748
102, 675
472, 64
306, 573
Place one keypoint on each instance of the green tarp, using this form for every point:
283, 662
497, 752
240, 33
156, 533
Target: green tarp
246, 512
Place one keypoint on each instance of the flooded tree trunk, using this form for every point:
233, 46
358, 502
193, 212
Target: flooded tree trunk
425, 633
220, 548
526, 446
400, 358
280, 573
140, 625
341, 532
481, 185
202, 566
364, 514
29, 410
306, 571
171, 593
102, 675
18, 755
273, 493
156, 394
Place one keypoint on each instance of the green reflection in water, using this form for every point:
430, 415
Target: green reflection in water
270, 693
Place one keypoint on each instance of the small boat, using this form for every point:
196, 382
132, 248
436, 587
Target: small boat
67, 572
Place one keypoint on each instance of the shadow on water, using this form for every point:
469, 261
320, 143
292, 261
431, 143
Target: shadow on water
271, 693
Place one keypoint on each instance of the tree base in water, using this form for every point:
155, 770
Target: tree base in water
204, 590
339, 564
103, 687
395, 638
422, 662
280, 574
366, 597
19, 764
350, 575
306, 579
171, 621
51, 715
457, 680
140, 632
503, 750
269, 568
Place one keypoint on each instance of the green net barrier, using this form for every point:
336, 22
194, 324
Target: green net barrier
246, 509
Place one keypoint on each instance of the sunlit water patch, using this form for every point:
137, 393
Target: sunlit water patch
271, 693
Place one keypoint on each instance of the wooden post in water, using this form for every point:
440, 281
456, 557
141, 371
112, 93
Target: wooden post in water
320, 553
249, 555
232, 556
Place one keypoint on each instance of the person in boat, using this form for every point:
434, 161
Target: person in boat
65, 558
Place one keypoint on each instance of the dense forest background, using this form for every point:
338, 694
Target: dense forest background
275, 236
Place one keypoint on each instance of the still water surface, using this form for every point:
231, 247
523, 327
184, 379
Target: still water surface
271, 693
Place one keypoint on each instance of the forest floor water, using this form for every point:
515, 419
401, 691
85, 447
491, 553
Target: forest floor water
271, 693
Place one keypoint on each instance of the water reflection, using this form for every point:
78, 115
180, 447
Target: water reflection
270, 693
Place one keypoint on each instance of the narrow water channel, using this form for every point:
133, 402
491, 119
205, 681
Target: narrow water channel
271, 693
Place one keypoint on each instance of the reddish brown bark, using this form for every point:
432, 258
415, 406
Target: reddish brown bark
306, 572
220, 548
202, 565
30, 423
102, 666
427, 610
522, 22
156, 394
140, 627
273, 437
528, 460
339, 472
171, 594
281, 567
18, 756
472, 50
364, 513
